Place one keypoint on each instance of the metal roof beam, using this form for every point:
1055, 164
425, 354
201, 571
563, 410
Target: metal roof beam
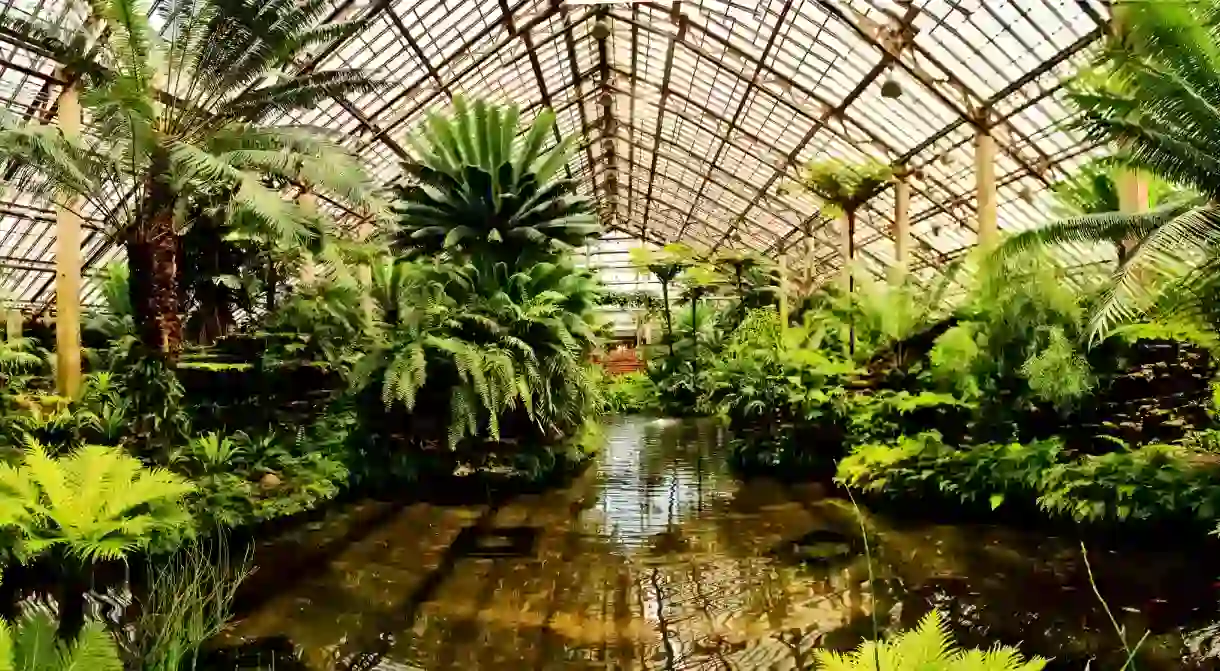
836, 112
745, 99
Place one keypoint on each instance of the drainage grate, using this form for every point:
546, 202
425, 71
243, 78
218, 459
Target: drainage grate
496, 542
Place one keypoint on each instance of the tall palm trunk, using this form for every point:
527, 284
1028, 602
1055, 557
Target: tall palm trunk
152, 256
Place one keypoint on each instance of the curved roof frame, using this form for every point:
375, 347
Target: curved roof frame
693, 112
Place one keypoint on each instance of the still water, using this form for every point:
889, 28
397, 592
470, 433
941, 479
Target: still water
657, 558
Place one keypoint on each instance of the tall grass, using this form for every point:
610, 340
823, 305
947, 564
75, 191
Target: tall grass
189, 600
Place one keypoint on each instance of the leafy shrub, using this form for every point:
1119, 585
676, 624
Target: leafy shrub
1151, 483
31, 645
928, 647
94, 503
631, 393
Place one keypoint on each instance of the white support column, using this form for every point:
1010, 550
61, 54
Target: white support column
309, 272
67, 263
12, 324
984, 166
902, 226
1132, 192
1132, 199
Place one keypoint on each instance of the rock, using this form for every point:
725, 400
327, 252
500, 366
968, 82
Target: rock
270, 480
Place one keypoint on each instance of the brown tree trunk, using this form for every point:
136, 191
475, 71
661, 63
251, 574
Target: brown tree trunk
152, 256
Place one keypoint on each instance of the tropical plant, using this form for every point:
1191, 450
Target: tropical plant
324, 322
184, 115
666, 264
188, 601
31, 645
19, 355
56, 421
843, 188
494, 342
1153, 95
213, 452
477, 190
95, 503
1015, 338
928, 647
631, 393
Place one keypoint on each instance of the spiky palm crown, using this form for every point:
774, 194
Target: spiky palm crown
477, 189
1154, 94
96, 503
196, 103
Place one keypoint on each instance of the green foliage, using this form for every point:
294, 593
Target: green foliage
1058, 373
1015, 340
31, 645
187, 602
209, 138
212, 452
928, 647
59, 423
19, 356
479, 191
631, 393
845, 186
986, 474
489, 342
96, 502
1173, 330
1152, 93
1153, 483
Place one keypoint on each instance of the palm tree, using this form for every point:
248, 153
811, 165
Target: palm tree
481, 191
1155, 96
188, 111
1092, 190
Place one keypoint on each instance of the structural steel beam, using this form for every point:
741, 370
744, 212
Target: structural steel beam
680, 19
745, 100
836, 112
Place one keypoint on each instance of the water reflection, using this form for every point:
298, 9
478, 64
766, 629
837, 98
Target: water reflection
658, 559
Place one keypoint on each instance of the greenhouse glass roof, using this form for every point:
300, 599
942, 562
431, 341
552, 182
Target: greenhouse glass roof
694, 114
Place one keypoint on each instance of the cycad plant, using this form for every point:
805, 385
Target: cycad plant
928, 647
479, 190
184, 111
1155, 96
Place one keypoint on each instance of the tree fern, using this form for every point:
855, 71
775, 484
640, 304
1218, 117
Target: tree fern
928, 647
96, 503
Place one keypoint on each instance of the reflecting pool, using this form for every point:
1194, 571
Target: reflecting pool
657, 558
